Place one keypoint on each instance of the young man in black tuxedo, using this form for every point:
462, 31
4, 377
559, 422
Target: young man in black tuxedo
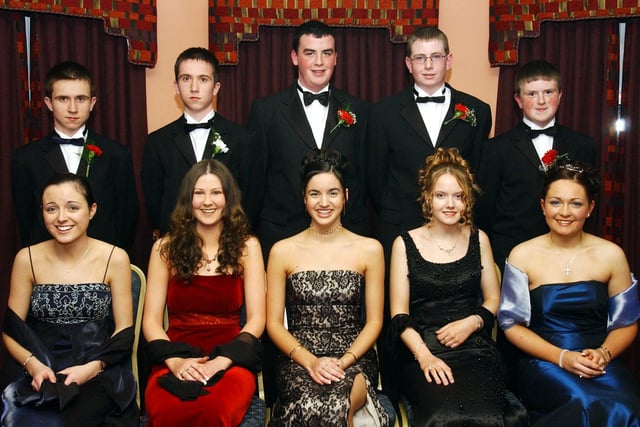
306, 116
72, 147
407, 127
510, 174
200, 133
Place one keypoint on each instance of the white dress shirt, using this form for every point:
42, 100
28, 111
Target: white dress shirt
316, 115
433, 113
199, 137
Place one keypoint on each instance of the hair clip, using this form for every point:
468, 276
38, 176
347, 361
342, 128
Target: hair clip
571, 167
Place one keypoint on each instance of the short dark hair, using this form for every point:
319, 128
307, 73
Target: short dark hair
427, 34
67, 70
198, 54
315, 28
536, 70
81, 183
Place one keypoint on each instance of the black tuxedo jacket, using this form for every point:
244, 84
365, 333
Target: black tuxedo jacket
110, 176
283, 138
398, 144
168, 155
512, 183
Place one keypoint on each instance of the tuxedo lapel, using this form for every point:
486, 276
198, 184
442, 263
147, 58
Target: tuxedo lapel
54, 157
409, 111
445, 130
294, 114
208, 148
183, 142
525, 145
561, 142
336, 101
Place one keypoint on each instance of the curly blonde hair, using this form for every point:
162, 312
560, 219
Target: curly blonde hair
183, 248
447, 161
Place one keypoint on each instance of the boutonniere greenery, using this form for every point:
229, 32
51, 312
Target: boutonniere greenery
346, 118
90, 154
550, 158
464, 113
218, 144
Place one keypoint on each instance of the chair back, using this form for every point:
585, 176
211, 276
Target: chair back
138, 291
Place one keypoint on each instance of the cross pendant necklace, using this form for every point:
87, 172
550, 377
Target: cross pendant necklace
567, 268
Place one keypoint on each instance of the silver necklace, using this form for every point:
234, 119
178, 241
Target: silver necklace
567, 267
75, 264
443, 249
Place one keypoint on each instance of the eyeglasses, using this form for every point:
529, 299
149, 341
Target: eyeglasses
436, 58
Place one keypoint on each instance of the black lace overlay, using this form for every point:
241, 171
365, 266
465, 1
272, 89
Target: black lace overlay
324, 312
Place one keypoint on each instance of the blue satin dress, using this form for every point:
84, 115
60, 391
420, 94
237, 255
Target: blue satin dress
574, 316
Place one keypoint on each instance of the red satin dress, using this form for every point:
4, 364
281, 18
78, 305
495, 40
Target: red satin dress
204, 314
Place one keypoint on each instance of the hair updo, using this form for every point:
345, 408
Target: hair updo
446, 161
323, 161
582, 173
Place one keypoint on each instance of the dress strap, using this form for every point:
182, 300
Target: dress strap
33, 273
108, 261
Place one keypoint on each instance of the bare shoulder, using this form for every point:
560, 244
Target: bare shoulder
520, 255
367, 244
605, 250
284, 247
483, 238
252, 243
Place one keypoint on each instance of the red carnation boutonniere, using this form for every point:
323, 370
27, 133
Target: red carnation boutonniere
464, 113
90, 154
550, 158
346, 118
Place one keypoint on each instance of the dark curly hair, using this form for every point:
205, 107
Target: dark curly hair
321, 161
447, 160
183, 248
582, 173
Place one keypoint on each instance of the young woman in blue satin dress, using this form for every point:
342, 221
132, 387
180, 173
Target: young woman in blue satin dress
570, 303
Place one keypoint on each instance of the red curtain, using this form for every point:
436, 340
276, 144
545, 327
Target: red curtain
369, 67
586, 53
120, 112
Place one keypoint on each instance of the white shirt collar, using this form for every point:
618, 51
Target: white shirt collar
205, 119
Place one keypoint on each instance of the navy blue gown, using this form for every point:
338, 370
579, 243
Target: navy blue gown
573, 316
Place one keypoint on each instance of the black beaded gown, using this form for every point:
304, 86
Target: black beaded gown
324, 313
442, 293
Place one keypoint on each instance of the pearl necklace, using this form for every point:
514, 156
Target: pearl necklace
327, 232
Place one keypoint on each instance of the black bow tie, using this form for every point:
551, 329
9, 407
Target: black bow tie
190, 127
72, 141
550, 131
322, 97
438, 99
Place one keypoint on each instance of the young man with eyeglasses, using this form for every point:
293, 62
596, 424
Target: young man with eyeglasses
407, 127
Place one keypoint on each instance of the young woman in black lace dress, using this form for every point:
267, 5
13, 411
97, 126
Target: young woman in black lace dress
322, 276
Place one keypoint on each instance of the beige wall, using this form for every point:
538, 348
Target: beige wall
182, 24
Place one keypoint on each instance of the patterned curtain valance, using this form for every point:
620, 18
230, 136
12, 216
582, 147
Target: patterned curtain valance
510, 20
233, 21
134, 19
